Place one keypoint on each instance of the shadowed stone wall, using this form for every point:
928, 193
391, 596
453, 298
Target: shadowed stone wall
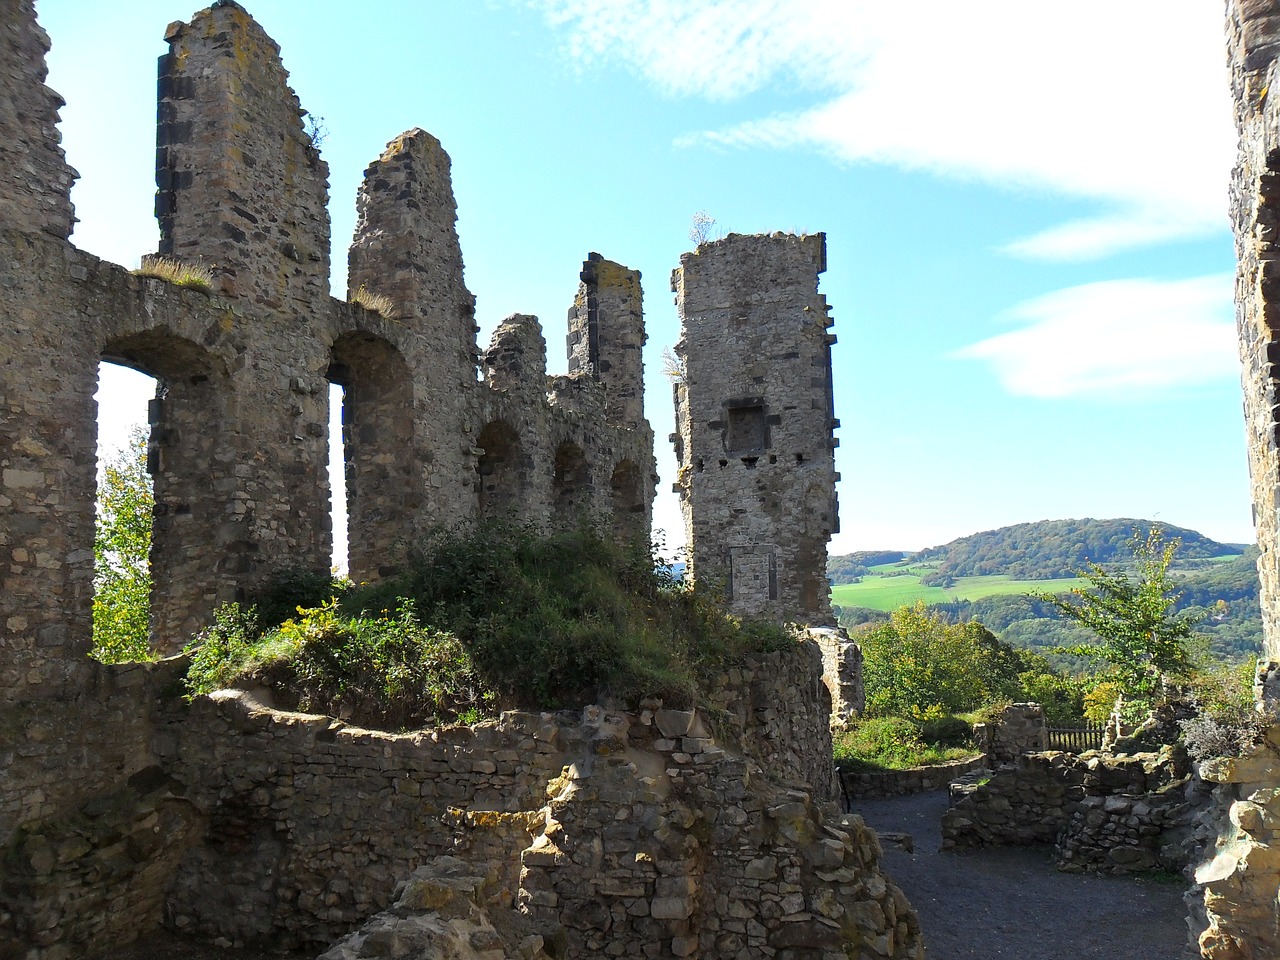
1241, 874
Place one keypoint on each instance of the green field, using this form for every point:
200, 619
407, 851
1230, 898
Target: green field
888, 593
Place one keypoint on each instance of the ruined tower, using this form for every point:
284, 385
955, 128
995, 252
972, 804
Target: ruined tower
605, 342
754, 421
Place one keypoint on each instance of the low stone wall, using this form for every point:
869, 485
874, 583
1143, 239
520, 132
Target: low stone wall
89, 827
900, 783
1106, 814
657, 833
779, 711
1020, 728
312, 823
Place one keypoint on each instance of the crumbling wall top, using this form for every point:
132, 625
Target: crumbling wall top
240, 184
35, 179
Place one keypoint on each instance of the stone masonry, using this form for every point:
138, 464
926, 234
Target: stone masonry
239, 426
755, 423
122, 808
610, 833
1242, 874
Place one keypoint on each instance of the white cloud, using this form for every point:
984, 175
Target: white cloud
1122, 104
1116, 338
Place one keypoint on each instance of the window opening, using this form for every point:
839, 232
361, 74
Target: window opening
124, 512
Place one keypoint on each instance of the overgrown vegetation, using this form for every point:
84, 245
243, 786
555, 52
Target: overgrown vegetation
388, 669
122, 542
928, 681
896, 743
917, 664
485, 618
1140, 644
1228, 721
180, 274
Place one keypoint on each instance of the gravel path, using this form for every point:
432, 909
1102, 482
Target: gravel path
977, 904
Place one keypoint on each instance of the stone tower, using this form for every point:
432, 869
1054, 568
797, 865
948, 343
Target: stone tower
754, 415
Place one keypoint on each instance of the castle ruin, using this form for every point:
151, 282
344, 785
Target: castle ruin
755, 421
122, 808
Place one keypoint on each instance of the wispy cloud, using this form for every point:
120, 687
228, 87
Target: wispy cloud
1118, 338
1121, 104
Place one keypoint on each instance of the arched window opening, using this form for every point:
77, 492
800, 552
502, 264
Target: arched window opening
191, 462
123, 516
572, 481
376, 415
628, 502
501, 482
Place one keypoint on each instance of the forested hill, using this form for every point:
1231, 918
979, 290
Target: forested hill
1058, 548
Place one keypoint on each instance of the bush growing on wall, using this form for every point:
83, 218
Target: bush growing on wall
510, 617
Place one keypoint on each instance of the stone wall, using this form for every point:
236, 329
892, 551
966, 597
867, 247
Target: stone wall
1240, 879
1253, 42
754, 421
1240, 872
1020, 728
242, 190
1110, 814
883, 784
842, 673
118, 807
687, 832
35, 179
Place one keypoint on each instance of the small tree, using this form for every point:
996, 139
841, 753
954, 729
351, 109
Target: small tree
1142, 644
122, 543
701, 225
917, 662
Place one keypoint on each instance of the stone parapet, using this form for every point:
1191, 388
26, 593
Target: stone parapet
1107, 814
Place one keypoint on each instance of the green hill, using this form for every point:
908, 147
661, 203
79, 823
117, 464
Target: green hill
986, 577
1044, 550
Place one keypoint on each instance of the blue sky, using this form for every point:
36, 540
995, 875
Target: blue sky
1029, 259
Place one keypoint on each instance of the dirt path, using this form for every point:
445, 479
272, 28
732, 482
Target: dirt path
1010, 902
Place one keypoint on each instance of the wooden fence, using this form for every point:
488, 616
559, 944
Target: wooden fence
1076, 739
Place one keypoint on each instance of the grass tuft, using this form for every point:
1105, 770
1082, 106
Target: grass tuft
379, 303
176, 272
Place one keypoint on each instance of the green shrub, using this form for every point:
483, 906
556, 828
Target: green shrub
121, 547
290, 590
385, 671
946, 731
886, 739
1228, 722
532, 621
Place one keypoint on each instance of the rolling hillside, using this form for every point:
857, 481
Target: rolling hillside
1217, 581
1044, 550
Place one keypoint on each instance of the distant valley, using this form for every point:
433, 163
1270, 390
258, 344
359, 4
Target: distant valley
987, 575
